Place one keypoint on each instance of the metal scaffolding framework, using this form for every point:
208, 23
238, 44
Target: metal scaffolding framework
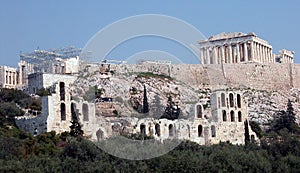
37, 56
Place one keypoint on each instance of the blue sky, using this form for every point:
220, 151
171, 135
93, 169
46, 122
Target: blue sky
26, 25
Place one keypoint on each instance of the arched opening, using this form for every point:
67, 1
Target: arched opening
73, 111
223, 100
143, 130
200, 130
240, 116
62, 112
100, 135
171, 130
199, 111
85, 111
35, 131
62, 90
238, 99
231, 102
232, 116
224, 115
213, 131
157, 130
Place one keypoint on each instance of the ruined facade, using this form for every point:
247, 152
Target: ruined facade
239, 48
224, 120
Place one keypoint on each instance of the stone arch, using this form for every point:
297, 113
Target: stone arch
157, 129
200, 129
100, 135
199, 111
213, 131
223, 100
232, 118
143, 130
35, 131
238, 100
240, 116
231, 101
62, 111
73, 111
62, 91
85, 112
224, 115
171, 130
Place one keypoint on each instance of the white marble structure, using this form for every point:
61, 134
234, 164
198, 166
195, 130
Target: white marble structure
235, 48
285, 56
8, 77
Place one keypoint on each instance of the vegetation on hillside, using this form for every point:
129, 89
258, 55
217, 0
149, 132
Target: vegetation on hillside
12, 103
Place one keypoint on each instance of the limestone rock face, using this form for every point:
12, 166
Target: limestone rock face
263, 104
127, 92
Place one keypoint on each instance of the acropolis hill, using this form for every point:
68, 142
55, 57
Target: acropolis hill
239, 80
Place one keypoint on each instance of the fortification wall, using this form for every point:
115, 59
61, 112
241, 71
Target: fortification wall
273, 76
296, 75
259, 76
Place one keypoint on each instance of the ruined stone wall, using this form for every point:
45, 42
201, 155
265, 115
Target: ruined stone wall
37, 81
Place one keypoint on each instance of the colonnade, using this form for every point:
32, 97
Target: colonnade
236, 53
10, 77
286, 56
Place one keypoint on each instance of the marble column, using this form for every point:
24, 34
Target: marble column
222, 54
238, 57
259, 53
233, 54
202, 55
255, 52
226, 50
263, 54
207, 56
219, 55
271, 56
251, 57
245, 52
215, 57
230, 53
266, 57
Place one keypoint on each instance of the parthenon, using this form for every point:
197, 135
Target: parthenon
239, 47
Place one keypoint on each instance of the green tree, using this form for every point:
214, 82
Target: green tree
8, 112
286, 119
172, 111
247, 136
145, 102
256, 128
75, 128
43, 92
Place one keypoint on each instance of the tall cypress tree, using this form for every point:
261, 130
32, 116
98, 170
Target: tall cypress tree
145, 101
286, 119
75, 128
290, 115
247, 135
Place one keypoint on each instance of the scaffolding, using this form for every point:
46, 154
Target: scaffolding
38, 56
